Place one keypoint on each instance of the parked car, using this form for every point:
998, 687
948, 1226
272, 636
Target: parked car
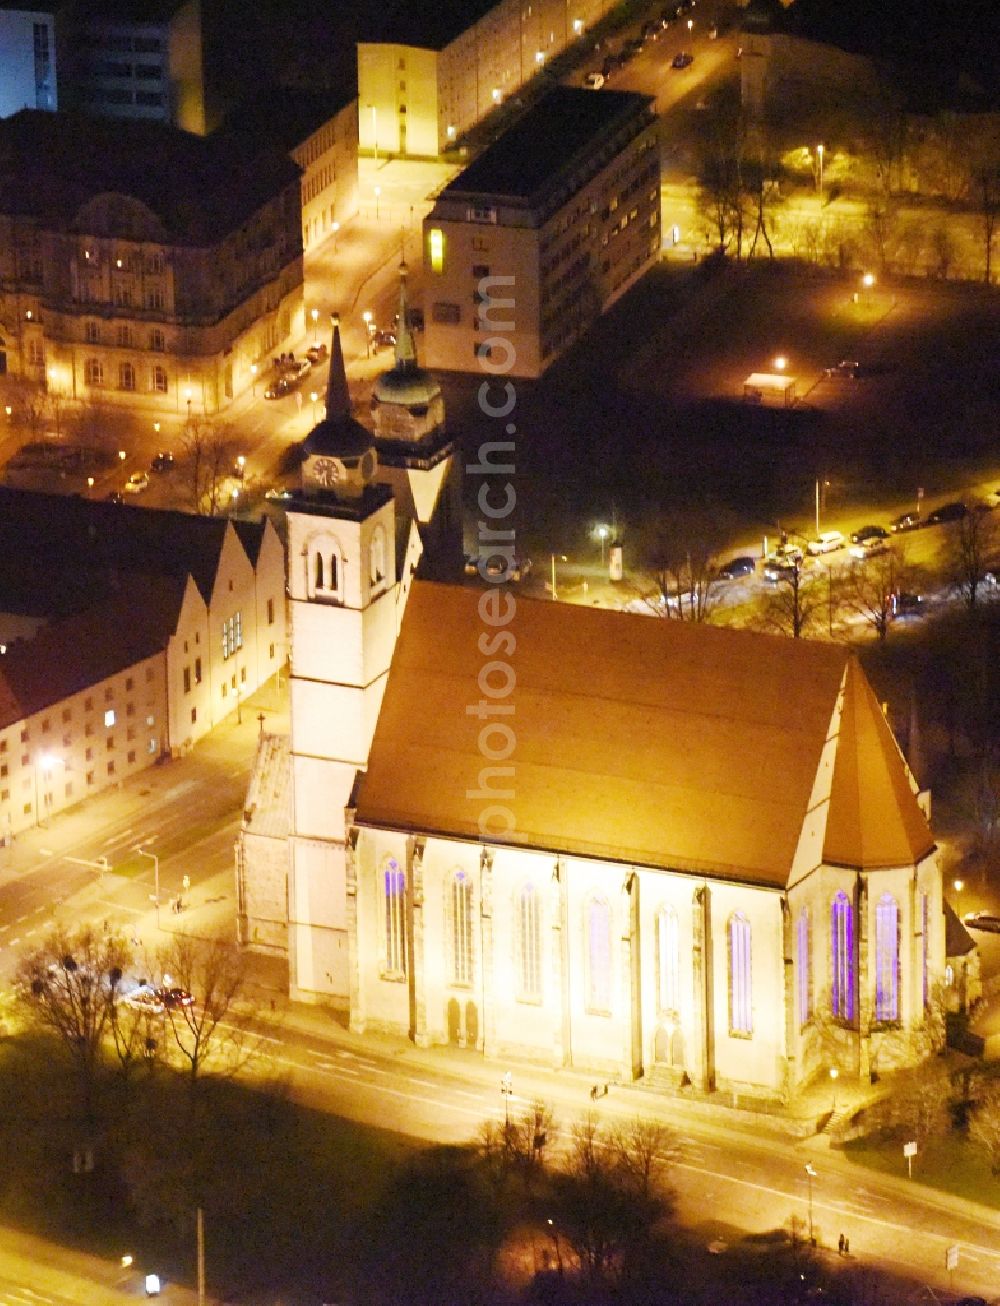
277, 493
868, 547
682, 60
174, 998
650, 30
163, 462
136, 483
594, 81
300, 367
633, 46
947, 512
144, 998
828, 542
776, 569
907, 605
869, 533
316, 353
982, 920
494, 566
741, 566
279, 387
383, 337
713, 32
115, 496
906, 521
847, 367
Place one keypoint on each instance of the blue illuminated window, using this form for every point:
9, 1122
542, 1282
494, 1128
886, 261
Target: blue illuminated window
394, 906
740, 987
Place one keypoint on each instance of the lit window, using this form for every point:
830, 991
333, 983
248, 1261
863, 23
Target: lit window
887, 959
740, 993
126, 376
93, 371
109, 717
160, 380
436, 242
598, 955
461, 928
529, 941
668, 960
842, 958
803, 972
394, 903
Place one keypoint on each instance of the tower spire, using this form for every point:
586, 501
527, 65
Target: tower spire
406, 350
338, 397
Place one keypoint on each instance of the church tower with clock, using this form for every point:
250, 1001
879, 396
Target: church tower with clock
343, 595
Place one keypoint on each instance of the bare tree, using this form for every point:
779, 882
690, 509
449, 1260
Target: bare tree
870, 587
968, 549
212, 971
70, 986
987, 191
645, 1151
793, 602
683, 557
517, 1145
100, 425
209, 455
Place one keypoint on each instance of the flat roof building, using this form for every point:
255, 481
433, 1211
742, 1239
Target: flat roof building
567, 205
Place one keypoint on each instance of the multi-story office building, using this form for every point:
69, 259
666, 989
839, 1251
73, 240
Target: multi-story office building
435, 72
27, 57
320, 132
566, 205
144, 264
137, 59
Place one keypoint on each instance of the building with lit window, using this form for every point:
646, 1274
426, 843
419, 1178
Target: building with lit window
537, 237
27, 57
115, 285
163, 624
602, 879
433, 72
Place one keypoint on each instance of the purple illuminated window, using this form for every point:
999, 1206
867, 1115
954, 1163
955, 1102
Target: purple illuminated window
394, 890
887, 958
842, 958
802, 969
598, 955
740, 993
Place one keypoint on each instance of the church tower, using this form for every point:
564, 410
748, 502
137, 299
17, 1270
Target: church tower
416, 456
342, 587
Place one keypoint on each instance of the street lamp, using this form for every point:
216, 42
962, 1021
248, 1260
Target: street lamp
780, 363
156, 878
562, 558
44, 762
313, 396
366, 317
378, 192
336, 228
821, 488
241, 466
506, 1092
810, 1176
253, 383
834, 1075
690, 24
314, 314
602, 534
959, 886
187, 396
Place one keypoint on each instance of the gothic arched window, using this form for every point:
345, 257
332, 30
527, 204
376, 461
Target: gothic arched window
740, 989
599, 955
842, 958
529, 944
394, 917
460, 905
803, 967
886, 958
324, 570
667, 960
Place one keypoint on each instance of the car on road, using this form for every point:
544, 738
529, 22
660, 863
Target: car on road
869, 547
279, 387
136, 483
735, 567
713, 32
954, 511
115, 496
906, 521
145, 998
682, 60
316, 353
633, 46
163, 462
828, 542
907, 605
299, 368
983, 920
383, 338
847, 367
278, 493
650, 30
493, 566
594, 81
776, 569
173, 998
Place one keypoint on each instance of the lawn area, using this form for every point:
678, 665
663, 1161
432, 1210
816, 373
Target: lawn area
951, 1164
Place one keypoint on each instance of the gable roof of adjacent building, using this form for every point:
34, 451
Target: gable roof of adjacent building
550, 142
51, 164
84, 534
426, 27
645, 742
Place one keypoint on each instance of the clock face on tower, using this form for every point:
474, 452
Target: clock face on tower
325, 472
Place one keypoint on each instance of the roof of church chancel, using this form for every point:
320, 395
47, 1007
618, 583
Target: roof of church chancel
647, 742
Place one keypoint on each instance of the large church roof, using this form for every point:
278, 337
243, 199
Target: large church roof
646, 742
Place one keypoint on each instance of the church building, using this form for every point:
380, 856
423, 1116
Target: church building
585, 838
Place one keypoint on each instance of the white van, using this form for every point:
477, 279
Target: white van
828, 542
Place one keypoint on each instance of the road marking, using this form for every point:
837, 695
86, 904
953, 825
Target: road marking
116, 838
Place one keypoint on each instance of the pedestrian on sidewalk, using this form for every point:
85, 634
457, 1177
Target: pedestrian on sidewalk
847, 1246
841, 1243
